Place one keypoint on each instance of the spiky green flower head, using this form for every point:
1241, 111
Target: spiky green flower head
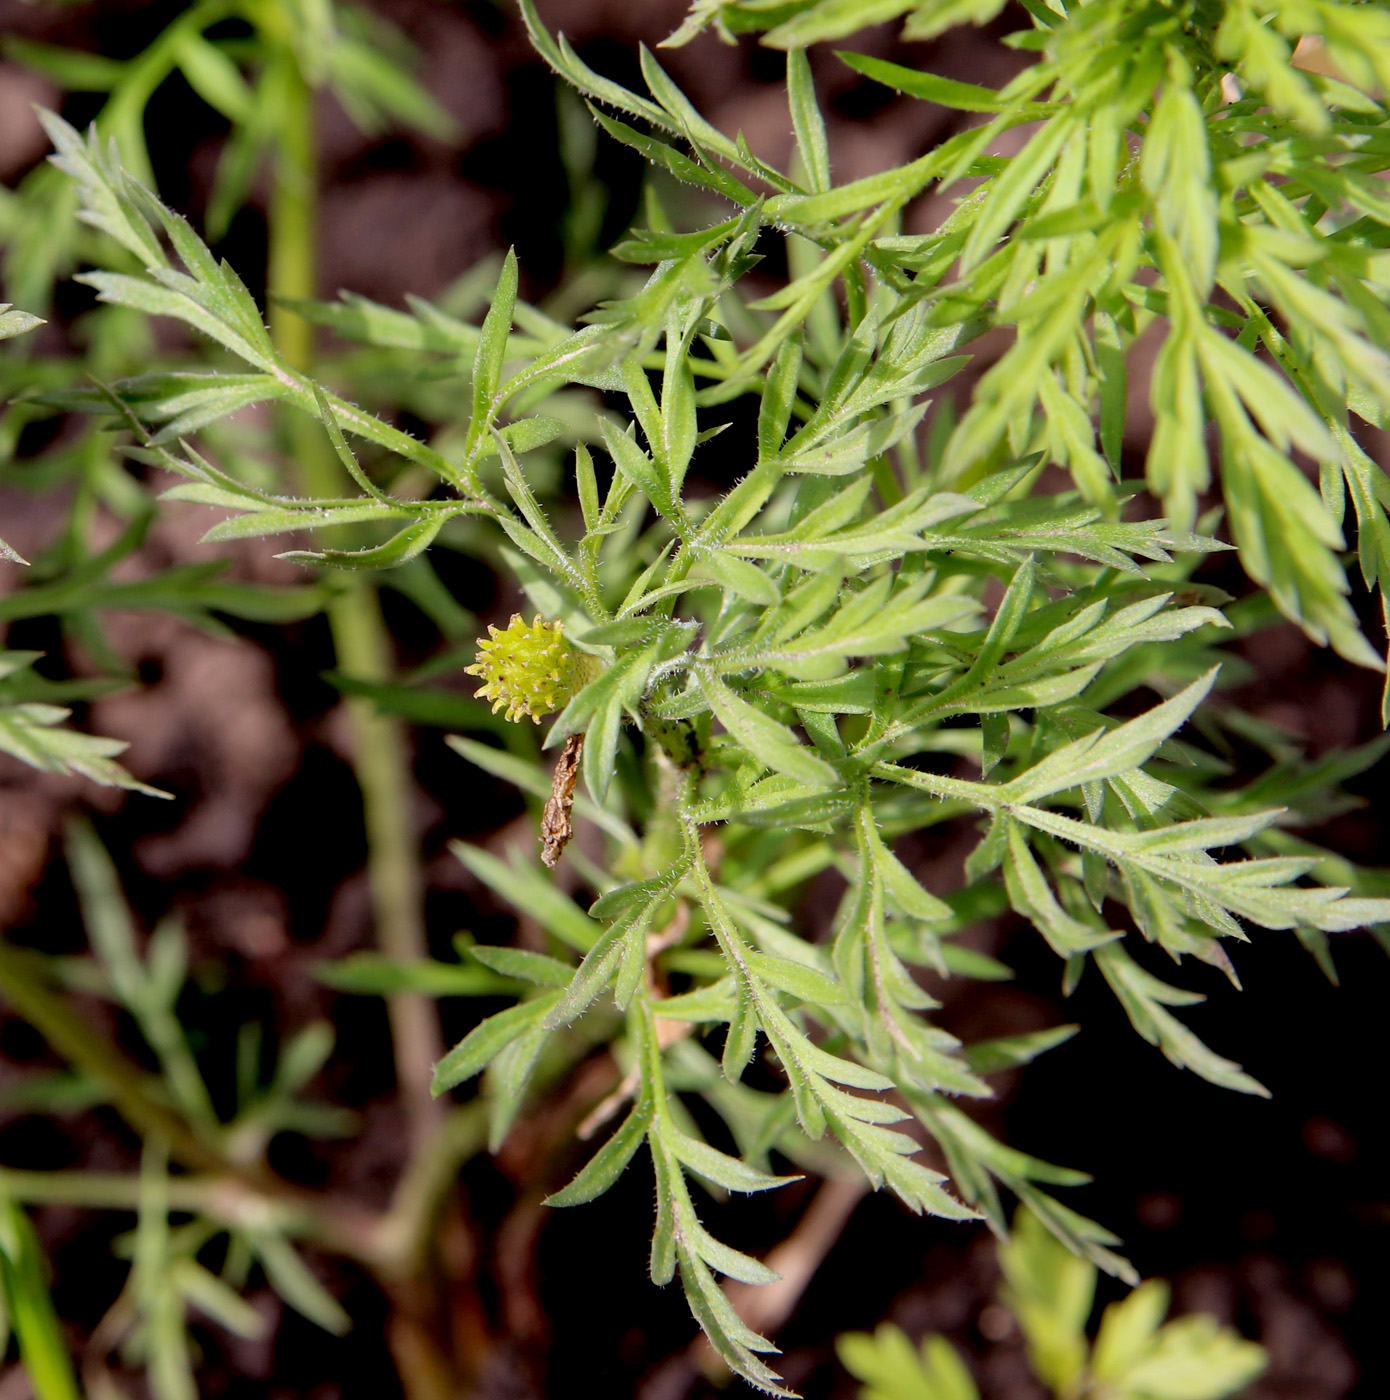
530, 669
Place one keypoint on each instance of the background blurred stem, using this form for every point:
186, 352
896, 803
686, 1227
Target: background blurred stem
337, 1224
381, 757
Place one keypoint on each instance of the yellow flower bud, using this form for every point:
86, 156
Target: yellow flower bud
530, 670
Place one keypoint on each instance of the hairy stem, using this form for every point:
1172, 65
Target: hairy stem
381, 758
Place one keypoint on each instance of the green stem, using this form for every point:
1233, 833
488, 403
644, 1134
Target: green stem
292, 270
381, 757
23, 1278
338, 1225
121, 1191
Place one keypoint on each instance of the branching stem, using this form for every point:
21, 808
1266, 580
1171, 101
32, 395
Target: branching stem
23, 986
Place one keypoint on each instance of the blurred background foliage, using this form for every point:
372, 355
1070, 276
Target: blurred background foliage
211, 951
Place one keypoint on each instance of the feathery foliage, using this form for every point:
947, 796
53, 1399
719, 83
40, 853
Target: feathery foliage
879, 628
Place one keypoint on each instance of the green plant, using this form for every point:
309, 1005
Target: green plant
878, 628
28, 725
234, 1219
258, 65
1050, 1292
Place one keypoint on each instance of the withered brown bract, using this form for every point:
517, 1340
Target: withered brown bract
556, 827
